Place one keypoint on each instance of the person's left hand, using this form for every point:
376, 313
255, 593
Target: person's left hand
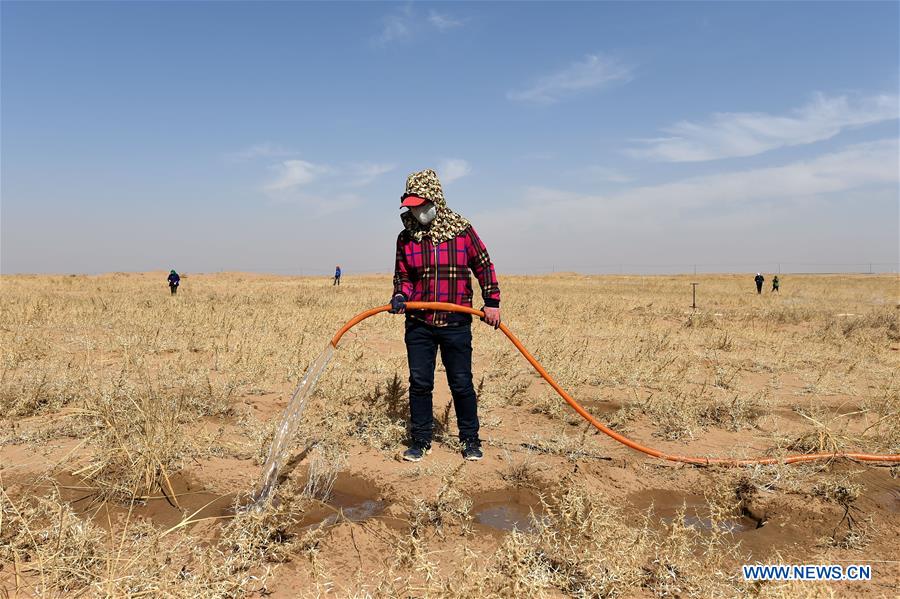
491, 316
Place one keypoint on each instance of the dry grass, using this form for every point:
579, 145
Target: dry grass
119, 382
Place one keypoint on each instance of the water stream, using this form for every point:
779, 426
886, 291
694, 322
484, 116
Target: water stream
290, 420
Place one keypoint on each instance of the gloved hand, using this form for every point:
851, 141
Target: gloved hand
398, 304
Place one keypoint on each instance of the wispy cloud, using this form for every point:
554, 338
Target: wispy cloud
396, 26
735, 134
592, 73
443, 21
294, 173
260, 150
854, 167
406, 23
452, 169
321, 188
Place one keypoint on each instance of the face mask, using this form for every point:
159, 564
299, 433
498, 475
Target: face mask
424, 214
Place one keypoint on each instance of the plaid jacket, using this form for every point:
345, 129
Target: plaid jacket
428, 272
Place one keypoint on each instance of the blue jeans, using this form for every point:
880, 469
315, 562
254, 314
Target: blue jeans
455, 343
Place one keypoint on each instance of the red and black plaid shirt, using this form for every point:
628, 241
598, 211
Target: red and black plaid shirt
429, 272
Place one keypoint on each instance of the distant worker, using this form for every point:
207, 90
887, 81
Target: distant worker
174, 280
759, 282
435, 252
775, 283
337, 275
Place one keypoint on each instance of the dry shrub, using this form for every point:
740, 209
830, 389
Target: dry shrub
561, 444
508, 390
875, 324
700, 320
850, 532
138, 441
380, 422
583, 546
522, 471
450, 507
46, 539
198, 394
674, 415
885, 408
48, 387
54, 552
786, 315
548, 403
258, 535
735, 413
822, 436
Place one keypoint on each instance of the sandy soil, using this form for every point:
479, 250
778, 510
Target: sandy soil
525, 428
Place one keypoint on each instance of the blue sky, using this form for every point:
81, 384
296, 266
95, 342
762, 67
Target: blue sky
277, 136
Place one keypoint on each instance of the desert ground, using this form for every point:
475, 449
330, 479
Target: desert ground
134, 423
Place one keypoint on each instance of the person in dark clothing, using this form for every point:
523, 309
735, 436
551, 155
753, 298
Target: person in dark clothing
174, 280
435, 252
759, 282
775, 284
337, 275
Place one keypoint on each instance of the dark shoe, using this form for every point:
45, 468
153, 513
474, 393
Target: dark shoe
472, 451
417, 451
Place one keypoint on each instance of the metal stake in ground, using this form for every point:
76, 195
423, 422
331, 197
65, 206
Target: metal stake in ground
694, 289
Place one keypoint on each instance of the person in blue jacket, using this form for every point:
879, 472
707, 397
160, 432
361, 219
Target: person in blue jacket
337, 275
174, 280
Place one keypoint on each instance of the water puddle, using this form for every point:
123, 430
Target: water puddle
191, 501
506, 509
668, 504
287, 428
881, 489
351, 499
701, 523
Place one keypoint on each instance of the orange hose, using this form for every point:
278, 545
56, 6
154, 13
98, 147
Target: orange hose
441, 306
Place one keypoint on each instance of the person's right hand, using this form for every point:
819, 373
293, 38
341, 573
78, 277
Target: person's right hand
398, 304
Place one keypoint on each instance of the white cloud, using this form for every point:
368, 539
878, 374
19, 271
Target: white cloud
321, 188
407, 23
594, 72
442, 21
294, 173
452, 169
396, 26
734, 134
260, 150
854, 167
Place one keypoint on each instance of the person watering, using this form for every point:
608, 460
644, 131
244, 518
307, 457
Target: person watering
435, 252
337, 275
174, 280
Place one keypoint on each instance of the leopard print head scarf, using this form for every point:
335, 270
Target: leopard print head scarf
447, 224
